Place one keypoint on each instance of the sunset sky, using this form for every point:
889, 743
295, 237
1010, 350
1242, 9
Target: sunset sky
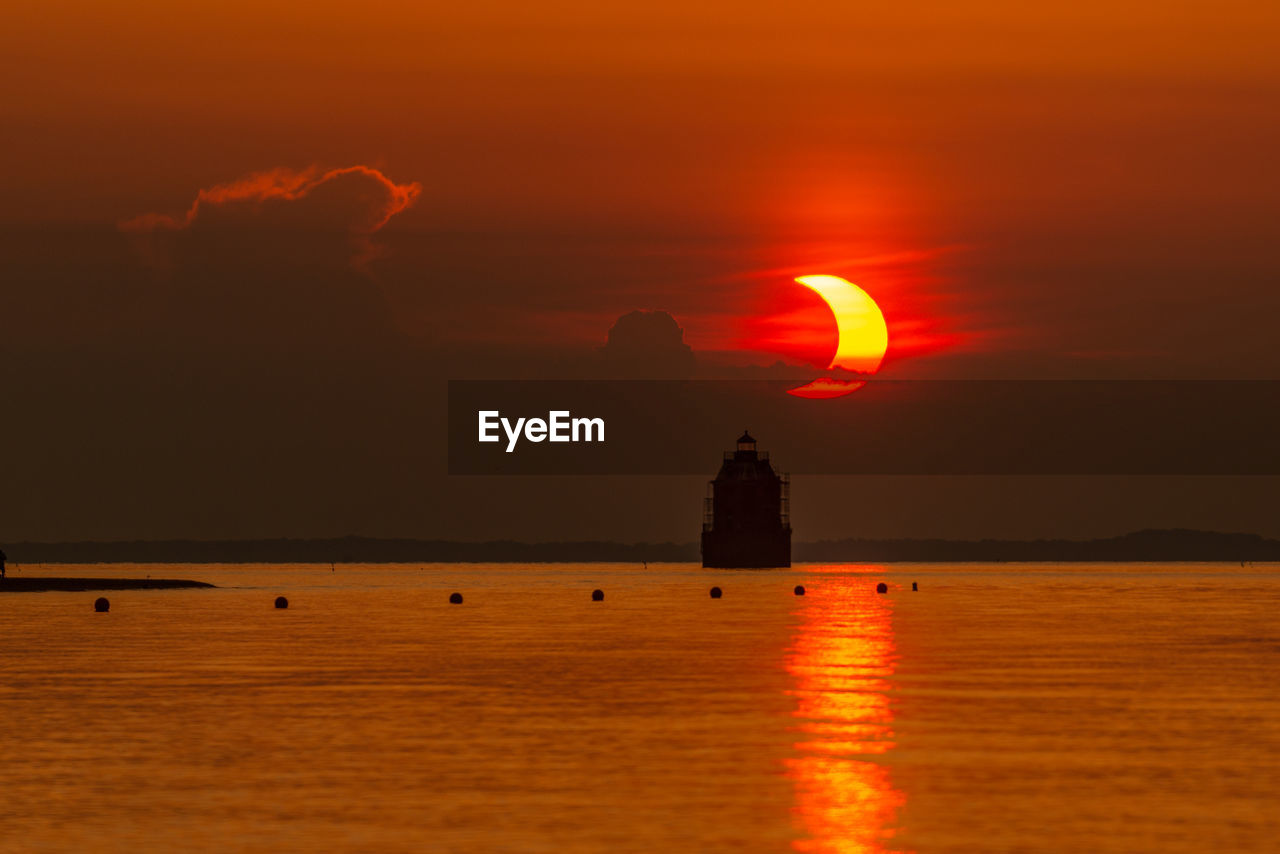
243, 245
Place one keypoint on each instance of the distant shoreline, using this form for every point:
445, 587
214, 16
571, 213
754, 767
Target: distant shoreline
1176, 545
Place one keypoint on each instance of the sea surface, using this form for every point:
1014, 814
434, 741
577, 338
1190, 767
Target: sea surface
1007, 707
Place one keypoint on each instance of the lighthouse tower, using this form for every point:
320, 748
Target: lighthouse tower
746, 516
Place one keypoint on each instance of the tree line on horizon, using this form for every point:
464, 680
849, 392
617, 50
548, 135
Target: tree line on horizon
1152, 545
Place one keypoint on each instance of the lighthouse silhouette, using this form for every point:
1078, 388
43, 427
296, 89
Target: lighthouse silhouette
746, 515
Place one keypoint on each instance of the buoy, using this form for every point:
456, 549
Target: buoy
716, 592
799, 589
101, 605
597, 595
282, 602
455, 598
882, 587
915, 586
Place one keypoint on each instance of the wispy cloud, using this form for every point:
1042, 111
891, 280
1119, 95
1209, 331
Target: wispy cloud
358, 199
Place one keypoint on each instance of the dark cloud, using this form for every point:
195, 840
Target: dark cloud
356, 199
647, 344
272, 267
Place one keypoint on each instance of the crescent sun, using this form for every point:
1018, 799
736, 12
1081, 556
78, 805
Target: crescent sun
862, 336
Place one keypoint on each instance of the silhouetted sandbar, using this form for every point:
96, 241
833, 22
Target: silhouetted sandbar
76, 585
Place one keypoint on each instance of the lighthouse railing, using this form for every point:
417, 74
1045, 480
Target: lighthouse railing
785, 503
733, 455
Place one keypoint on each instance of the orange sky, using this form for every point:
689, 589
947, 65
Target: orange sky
1131, 143
1075, 190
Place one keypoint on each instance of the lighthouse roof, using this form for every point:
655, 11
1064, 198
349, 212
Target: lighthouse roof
745, 437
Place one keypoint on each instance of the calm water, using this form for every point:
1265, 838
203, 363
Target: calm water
1001, 708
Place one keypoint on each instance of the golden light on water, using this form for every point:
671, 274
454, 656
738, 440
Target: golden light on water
843, 659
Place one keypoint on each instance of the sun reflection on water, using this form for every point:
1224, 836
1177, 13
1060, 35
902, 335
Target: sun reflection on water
843, 658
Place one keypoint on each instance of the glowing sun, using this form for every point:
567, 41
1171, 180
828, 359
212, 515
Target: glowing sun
862, 336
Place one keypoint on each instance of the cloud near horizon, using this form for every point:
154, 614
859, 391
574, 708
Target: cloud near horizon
357, 199
644, 344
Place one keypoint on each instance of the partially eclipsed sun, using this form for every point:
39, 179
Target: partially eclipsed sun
862, 336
